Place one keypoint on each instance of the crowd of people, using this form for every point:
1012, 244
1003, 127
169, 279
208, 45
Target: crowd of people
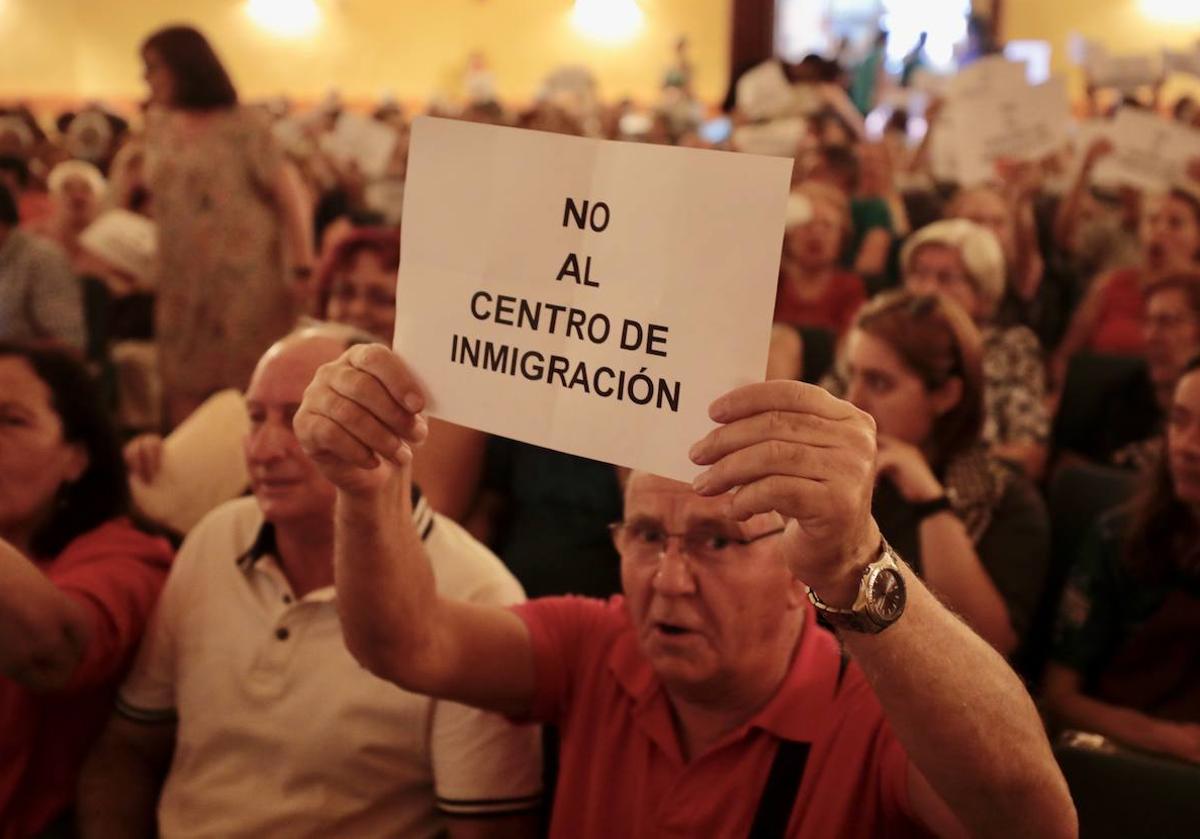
228, 532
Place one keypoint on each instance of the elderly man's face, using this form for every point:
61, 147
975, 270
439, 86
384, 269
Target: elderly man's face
705, 621
287, 485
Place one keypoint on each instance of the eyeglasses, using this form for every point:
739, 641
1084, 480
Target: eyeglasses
375, 296
646, 540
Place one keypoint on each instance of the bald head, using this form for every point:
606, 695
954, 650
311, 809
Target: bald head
289, 488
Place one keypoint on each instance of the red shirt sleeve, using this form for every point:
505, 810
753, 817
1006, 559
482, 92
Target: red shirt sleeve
565, 633
851, 295
116, 573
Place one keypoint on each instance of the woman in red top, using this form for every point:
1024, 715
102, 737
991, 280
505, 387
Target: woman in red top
1109, 320
77, 581
813, 290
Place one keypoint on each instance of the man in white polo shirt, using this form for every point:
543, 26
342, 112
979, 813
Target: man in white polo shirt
246, 699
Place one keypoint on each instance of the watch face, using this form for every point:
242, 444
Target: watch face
886, 594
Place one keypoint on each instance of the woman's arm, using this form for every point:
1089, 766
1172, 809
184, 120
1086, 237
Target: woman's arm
295, 214
955, 572
1083, 324
1067, 217
43, 632
1066, 702
449, 468
949, 563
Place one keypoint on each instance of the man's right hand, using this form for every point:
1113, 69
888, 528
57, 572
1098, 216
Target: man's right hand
361, 419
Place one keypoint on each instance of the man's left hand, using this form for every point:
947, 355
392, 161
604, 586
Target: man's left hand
795, 449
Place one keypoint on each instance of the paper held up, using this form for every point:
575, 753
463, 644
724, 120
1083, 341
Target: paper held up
1124, 72
997, 116
202, 464
1181, 61
1149, 153
587, 296
126, 241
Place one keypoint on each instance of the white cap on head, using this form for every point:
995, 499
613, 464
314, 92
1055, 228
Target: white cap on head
799, 210
77, 169
977, 247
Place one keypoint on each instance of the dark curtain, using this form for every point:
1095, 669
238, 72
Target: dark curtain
753, 40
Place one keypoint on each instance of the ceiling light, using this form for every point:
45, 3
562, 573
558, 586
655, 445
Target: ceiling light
285, 18
611, 21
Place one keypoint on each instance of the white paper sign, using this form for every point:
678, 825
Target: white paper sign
588, 296
126, 240
987, 77
1182, 62
203, 464
1010, 120
365, 141
1124, 72
764, 92
1150, 153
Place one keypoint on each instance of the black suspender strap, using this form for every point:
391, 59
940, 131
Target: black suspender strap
779, 793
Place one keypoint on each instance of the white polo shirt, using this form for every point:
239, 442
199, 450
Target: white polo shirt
281, 733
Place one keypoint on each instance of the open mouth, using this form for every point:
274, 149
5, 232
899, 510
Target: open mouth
670, 629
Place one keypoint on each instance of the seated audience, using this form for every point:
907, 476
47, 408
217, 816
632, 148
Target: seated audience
77, 581
813, 289
1095, 230
40, 298
969, 524
356, 281
33, 204
674, 702
77, 192
1171, 329
356, 285
962, 260
1109, 320
1034, 295
246, 701
1125, 651
876, 215
1172, 334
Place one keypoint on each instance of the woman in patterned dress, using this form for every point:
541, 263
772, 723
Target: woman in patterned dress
235, 246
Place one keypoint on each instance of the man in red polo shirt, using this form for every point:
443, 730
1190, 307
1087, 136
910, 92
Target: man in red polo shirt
707, 701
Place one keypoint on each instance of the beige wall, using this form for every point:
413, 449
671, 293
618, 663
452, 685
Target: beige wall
67, 49
88, 48
1122, 26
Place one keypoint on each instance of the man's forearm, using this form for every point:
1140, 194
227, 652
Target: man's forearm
965, 720
118, 790
386, 593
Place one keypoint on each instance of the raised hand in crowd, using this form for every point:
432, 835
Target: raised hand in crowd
143, 456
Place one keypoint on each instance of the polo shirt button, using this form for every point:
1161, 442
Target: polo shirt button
287, 598
282, 633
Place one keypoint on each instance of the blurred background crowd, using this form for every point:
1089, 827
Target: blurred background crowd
992, 245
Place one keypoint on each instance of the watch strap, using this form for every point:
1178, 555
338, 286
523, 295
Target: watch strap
924, 509
858, 618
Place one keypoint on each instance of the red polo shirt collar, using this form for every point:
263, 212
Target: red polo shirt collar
798, 710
